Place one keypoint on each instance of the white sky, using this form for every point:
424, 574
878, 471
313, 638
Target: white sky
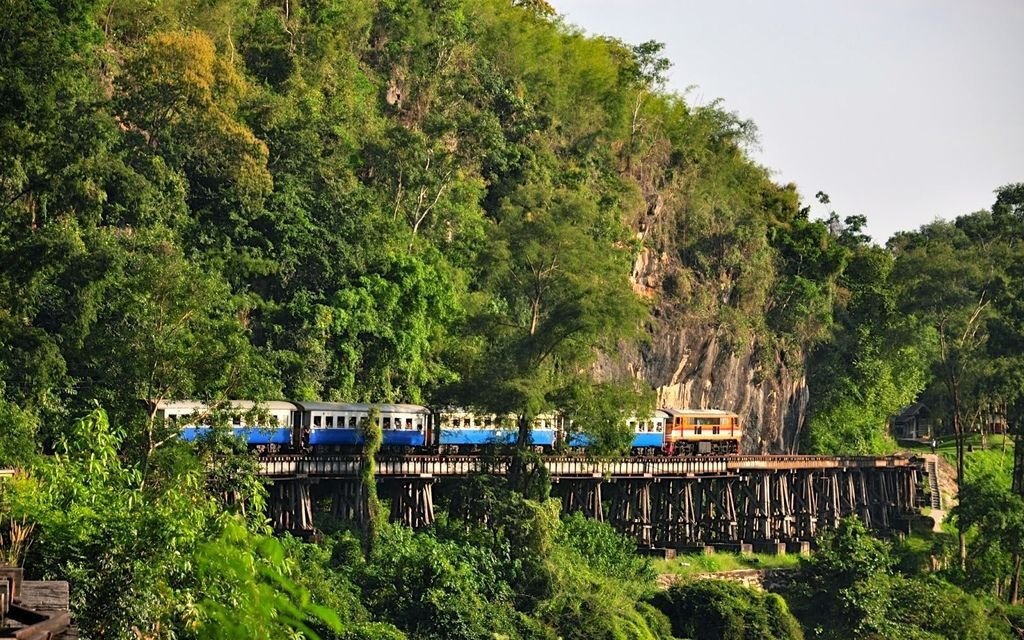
901, 110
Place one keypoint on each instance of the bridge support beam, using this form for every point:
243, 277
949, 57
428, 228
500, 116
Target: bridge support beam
412, 502
581, 496
290, 507
348, 501
631, 509
664, 503
766, 507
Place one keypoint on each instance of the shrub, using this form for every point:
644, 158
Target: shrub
719, 610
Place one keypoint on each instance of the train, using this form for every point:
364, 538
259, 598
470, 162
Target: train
300, 426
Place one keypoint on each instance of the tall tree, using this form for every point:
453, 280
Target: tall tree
558, 290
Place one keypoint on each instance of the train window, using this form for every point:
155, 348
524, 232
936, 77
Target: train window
330, 422
353, 422
488, 421
632, 425
698, 428
716, 429
236, 421
387, 422
658, 426
316, 421
456, 423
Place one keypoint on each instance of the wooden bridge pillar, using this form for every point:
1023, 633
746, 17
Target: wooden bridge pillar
720, 514
290, 506
631, 509
673, 512
660, 502
805, 505
412, 502
581, 495
349, 501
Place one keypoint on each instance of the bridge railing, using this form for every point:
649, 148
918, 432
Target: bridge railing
794, 462
336, 465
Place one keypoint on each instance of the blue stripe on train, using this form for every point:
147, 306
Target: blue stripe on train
580, 440
648, 440
639, 440
321, 436
403, 438
478, 437
252, 435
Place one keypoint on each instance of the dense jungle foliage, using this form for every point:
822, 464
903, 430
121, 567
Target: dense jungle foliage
431, 201
436, 201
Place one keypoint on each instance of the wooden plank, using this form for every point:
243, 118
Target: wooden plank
48, 597
45, 596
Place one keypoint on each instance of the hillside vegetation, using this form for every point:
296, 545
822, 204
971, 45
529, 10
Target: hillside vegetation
368, 200
444, 202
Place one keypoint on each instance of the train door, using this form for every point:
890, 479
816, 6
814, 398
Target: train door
300, 435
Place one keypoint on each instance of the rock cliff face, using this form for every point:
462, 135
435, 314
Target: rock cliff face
697, 363
689, 367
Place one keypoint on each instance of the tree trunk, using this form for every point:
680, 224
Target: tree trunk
958, 432
523, 438
1015, 580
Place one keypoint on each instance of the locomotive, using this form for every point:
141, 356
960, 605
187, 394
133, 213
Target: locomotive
409, 428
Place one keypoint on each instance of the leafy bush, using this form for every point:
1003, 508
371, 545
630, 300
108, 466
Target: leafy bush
606, 550
850, 590
720, 610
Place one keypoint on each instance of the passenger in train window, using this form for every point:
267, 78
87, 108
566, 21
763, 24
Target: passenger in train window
316, 421
353, 422
387, 422
408, 424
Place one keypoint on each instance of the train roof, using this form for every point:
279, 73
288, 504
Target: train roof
238, 405
362, 406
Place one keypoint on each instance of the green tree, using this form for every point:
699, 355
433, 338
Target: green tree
719, 610
373, 437
559, 292
250, 592
996, 516
600, 412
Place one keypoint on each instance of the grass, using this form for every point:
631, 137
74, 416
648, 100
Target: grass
995, 458
690, 565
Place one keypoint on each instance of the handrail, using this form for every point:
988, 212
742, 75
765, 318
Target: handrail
342, 465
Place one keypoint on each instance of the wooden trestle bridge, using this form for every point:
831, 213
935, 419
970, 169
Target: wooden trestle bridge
662, 502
